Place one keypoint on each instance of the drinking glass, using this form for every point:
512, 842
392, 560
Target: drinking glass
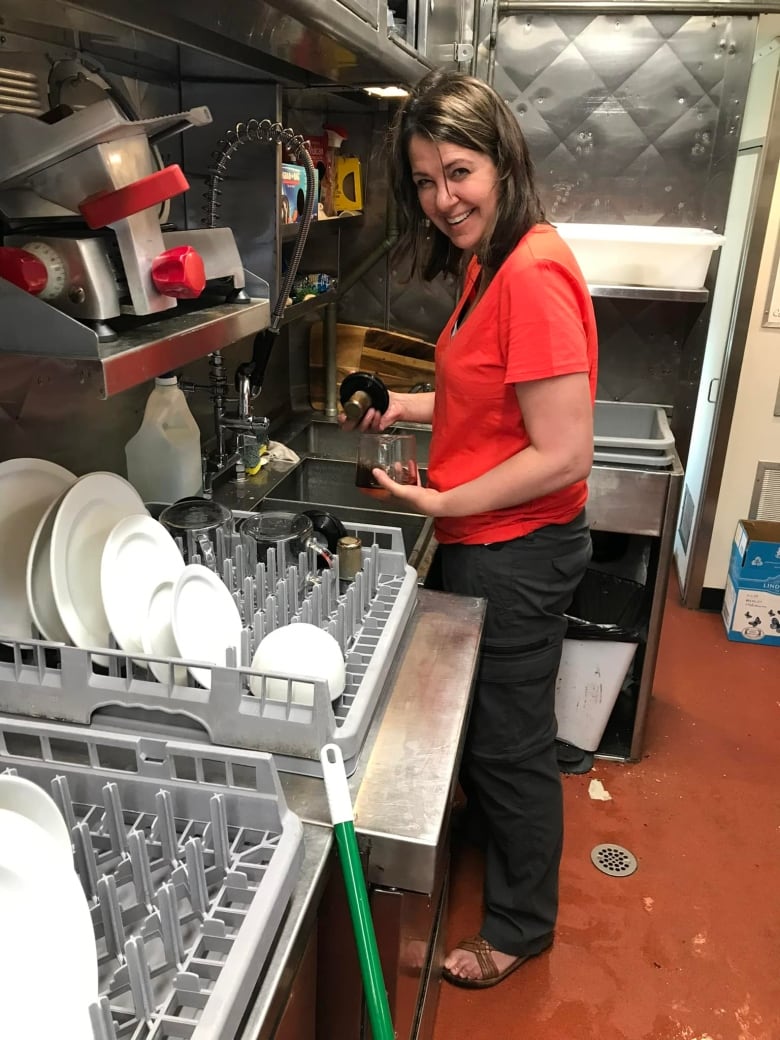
394, 453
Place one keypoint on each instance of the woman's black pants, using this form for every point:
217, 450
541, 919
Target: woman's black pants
510, 772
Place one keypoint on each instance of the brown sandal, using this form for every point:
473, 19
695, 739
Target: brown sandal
483, 951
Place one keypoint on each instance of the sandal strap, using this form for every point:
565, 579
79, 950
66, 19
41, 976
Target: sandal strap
482, 950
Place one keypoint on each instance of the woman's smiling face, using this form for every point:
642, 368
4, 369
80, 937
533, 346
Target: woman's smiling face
457, 188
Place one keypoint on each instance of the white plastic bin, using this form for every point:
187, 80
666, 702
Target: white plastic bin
634, 434
629, 254
590, 677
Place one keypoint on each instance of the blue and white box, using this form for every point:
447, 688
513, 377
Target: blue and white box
751, 603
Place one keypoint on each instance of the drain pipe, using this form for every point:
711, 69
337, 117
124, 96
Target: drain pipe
330, 318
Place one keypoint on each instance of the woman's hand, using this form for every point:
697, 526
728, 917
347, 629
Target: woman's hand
374, 421
416, 497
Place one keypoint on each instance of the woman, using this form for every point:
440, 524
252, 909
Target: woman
510, 453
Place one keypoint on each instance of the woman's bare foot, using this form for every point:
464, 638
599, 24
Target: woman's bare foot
464, 964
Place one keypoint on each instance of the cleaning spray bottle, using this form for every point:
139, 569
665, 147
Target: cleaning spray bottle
163, 457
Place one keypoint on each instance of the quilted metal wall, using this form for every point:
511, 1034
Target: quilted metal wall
630, 118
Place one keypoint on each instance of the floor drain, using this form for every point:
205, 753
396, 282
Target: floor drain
613, 860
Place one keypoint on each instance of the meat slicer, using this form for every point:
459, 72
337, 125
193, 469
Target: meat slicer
81, 194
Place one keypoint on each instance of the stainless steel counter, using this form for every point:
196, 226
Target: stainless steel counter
402, 787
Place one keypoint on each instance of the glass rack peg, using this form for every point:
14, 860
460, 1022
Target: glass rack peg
170, 927
292, 589
246, 648
341, 633
196, 876
283, 601
222, 549
365, 593
140, 980
249, 598
270, 614
316, 606
142, 874
239, 556
303, 563
360, 584
111, 916
226, 573
304, 614
219, 834
196, 558
114, 820
259, 627
270, 568
60, 792
349, 614
101, 1021
374, 559
261, 583
84, 856
166, 827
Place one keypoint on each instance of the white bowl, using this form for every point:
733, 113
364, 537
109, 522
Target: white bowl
298, 651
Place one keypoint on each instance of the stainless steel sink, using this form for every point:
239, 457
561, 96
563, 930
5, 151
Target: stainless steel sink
327, 439
330, 484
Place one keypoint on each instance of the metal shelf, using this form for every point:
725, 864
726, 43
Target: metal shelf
290, 231
646, 292
141, 351
297, 310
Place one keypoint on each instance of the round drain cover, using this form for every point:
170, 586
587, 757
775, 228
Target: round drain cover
613, 860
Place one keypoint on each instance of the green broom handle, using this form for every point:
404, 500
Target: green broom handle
342, 817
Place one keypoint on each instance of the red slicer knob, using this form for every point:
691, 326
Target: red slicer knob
23, 269
179, 272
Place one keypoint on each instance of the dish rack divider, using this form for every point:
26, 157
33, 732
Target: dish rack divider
188, 856
70, 684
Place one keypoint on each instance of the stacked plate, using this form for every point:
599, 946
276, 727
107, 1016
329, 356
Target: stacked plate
48, 956
82, 560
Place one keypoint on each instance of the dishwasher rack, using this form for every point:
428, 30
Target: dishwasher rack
188, 857
69, 684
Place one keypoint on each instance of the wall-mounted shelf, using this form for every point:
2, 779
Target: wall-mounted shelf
138, 354
319, 227
297, 310
647, 292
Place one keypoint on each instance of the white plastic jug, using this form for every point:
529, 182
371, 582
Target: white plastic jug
163, 458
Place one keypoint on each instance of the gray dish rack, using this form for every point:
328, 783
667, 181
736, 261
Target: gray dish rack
632, 434
70, 684
188, 856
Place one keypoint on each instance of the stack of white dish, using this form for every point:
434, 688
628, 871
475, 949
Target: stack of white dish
48, 957
81, 560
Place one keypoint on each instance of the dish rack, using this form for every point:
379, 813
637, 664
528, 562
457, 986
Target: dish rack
109, 687
188, 857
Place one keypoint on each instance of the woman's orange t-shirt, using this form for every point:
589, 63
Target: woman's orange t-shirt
534, 321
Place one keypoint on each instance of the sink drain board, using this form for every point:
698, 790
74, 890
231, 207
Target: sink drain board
70, 684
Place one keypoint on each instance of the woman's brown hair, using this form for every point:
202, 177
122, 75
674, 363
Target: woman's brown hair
450, 107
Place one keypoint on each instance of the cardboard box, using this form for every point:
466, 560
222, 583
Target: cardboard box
294, 193
751, 603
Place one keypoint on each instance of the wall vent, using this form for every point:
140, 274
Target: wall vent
21, 91
765, 504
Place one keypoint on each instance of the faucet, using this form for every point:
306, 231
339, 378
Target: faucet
241, 424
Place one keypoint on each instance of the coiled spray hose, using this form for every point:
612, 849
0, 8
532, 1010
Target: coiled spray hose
266, 132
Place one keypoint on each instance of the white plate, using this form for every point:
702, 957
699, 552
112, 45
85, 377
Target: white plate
158, 638
206, 621
138, 555
22, 796
27, 489
48, 957
88, 513
40, 595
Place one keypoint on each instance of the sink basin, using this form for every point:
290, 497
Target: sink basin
329, 440
330, 484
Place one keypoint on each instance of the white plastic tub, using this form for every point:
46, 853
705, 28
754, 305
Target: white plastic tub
627, 254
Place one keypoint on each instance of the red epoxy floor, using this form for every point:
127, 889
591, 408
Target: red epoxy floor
688, 947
